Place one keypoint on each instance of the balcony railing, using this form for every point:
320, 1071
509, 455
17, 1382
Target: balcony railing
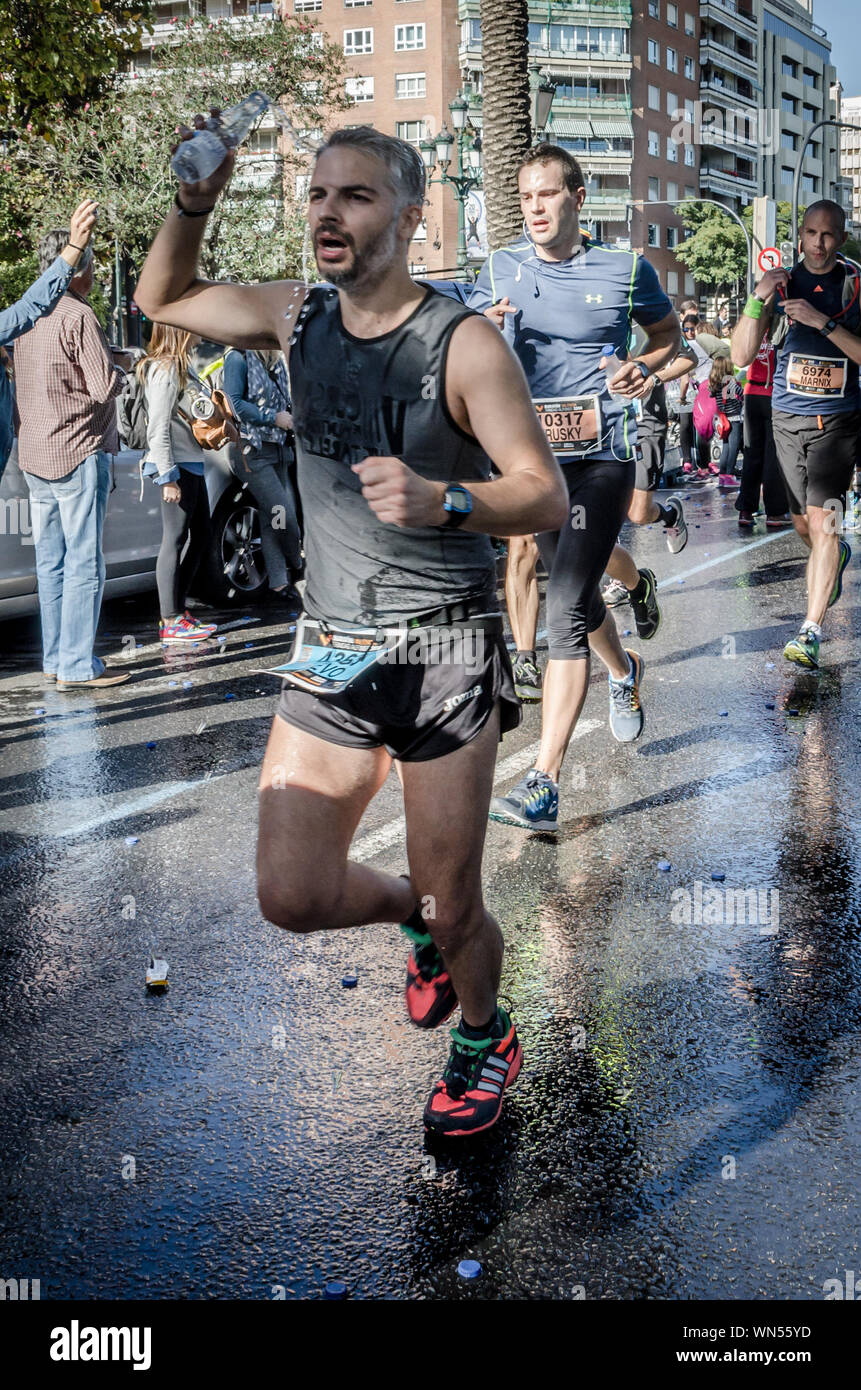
718, 91
711, 51
726, 10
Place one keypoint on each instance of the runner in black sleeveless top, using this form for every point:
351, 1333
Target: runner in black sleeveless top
401, 397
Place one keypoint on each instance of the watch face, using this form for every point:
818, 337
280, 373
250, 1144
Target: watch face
456, 500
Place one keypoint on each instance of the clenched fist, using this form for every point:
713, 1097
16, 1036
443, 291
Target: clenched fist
398, 496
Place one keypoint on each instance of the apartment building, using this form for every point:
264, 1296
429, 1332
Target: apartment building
666, 165
799, 89
730, 100
850, 158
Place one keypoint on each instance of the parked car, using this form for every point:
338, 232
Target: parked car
232, 570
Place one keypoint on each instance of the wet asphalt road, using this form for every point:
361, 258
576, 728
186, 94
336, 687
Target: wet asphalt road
685, 1125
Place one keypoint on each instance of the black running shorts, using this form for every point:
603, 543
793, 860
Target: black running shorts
652, 438
416, 709
817, 464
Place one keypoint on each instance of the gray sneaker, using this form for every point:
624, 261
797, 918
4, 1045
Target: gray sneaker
626, 712
615, 593
533, 804
677, 532
527, 681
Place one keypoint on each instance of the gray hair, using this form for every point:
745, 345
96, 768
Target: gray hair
405, 165
53, 243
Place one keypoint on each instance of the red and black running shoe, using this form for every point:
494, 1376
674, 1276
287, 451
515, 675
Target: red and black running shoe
429, 995
468, 1099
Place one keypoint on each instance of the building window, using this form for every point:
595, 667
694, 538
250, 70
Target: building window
359, 88
355, 4
302, 6
808, 183
789, 69
416, 269
672, 281
808, 112
654, 51
672, 238
689, 69
654, 190
654, 98
303, 183
672, 60
672, 192
409, 36
673, 16
789, 105
786, 175
421, 232
788, 141
811, 79
654, 235
358, 41
410, 84
672, 103
654, 9
411, 131
690, 191
689, 285
654, 143
690, 25
672, 151
690, 156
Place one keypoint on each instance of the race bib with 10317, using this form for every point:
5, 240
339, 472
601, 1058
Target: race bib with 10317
816, 376
326, 660
572, 424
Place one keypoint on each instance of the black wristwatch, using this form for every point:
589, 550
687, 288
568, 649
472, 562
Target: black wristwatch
828, 327
643, 368
458, 504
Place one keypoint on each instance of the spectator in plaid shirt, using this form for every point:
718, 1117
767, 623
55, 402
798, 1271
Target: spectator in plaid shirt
66, 385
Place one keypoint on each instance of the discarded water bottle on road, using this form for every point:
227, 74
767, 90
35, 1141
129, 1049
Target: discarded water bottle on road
612, 363
197, 158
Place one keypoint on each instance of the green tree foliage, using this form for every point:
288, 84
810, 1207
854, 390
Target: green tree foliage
62, 52
714, 250
117, 150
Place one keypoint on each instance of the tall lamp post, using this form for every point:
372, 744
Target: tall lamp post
796, 182
675, 203
543, 92
467, 172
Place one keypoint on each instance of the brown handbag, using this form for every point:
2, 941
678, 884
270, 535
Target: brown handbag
213, 419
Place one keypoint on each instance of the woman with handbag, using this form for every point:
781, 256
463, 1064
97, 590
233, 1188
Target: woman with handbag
256, 384
174, 460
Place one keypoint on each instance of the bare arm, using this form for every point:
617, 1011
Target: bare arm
749, 332
487, 396
663, 340
170, 291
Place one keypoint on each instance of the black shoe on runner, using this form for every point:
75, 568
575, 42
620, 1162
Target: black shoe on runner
527, 680
468, 1099
644, 601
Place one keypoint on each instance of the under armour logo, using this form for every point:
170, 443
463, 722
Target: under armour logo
594, 299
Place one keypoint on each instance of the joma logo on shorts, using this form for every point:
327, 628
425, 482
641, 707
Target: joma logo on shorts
461, 699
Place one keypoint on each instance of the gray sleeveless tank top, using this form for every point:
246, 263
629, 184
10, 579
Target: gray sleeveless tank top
358, 397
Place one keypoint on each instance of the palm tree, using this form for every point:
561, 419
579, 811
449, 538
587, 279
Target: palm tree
506, 108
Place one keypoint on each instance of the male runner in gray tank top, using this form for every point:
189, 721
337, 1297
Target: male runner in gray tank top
401, 397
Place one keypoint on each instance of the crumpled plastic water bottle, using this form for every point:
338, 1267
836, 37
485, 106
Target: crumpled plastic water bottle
197, 158
611, 364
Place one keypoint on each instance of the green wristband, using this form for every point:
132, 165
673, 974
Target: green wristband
753, 308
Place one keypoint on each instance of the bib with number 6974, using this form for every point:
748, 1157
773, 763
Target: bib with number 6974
817, 377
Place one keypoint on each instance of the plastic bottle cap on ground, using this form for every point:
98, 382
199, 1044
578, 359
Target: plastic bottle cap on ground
627, 632
792, 711
150, 744
718, 876
39, 711
336, 1289
132, 839
769, 704
769, 666
186, 685
249, 644
469, 1269
171, 682
724, 713
230, 695
350, 980
664, 865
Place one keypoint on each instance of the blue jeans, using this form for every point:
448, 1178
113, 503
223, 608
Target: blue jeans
730, 447
68, 517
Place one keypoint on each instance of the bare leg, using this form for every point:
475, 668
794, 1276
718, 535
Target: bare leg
445, 865
565, 687
521, 591
605, 642
312, 796
643, 509
621, 566
823, 562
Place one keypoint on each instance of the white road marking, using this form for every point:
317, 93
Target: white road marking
395, 830
719, 559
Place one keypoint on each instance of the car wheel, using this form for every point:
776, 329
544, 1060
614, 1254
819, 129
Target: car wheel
234, 570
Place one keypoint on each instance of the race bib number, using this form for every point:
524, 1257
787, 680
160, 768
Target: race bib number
819, 377
572, 425
326, 660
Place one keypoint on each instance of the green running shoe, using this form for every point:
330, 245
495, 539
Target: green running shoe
845, 557
803, 650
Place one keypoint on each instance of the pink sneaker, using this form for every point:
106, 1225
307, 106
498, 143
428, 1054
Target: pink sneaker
727, 480
687, 468
185, 629
714, 468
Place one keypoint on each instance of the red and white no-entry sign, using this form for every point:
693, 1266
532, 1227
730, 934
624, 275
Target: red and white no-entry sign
769, 258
